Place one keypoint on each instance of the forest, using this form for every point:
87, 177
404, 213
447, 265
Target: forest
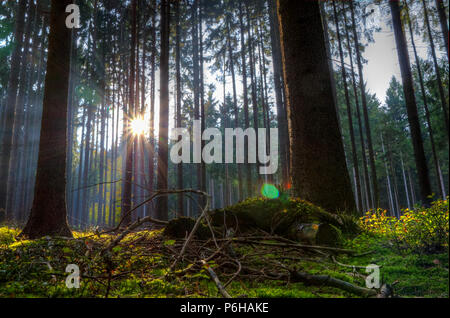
224, 148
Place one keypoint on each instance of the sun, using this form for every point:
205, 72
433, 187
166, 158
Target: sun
137, 126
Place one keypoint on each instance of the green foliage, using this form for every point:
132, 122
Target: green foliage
421, 229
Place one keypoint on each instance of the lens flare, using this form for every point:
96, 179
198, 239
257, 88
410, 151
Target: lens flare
270, 191
137, 126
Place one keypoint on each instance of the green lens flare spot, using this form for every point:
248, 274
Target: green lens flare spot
270, 191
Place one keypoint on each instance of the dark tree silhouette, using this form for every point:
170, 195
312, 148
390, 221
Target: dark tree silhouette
49, 214
411, 106
163, 158
319, 172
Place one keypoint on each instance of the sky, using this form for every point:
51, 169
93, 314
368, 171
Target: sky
382, 57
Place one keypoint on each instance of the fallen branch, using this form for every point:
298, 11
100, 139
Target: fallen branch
320, 280
216, 280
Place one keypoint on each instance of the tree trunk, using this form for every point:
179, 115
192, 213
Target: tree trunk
277, 74
49, 214
319, 171
162, 178
366, 116
245, 93
425, 103
127, 182
13, 83
436, 66
443, 20
411, 106
236, 109
253, 93
349, 110
180, 205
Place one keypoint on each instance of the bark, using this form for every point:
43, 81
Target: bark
411, 106
49, 214
319, 172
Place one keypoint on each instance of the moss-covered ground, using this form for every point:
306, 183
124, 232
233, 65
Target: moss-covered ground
139, 267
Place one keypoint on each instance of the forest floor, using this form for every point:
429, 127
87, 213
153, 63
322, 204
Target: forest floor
140, 266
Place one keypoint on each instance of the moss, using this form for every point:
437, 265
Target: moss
281, 216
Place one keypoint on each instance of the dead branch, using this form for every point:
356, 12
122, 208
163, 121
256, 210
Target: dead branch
216, 280
320, 280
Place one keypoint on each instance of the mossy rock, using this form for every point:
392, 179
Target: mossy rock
181, 227
282, 217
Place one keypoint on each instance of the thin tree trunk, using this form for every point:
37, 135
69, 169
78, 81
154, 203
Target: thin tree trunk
349, 109
443, 20
236, 109
13, 83
127, 183
180, 205
411, 106
425, 104
366, 114
436, 66
162, 178
245, 93
253, 92
358, 115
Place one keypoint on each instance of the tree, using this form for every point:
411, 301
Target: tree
13, 83
425, 104
366, 115
127, 182
319, 172
178, 104
436, 66
277, 74
443, 20
349, 109
163, 157
49, 212
411, 106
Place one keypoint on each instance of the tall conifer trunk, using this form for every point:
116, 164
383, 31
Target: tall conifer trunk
319, 172
49, 212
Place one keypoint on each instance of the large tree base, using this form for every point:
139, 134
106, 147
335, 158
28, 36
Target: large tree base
38, 227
